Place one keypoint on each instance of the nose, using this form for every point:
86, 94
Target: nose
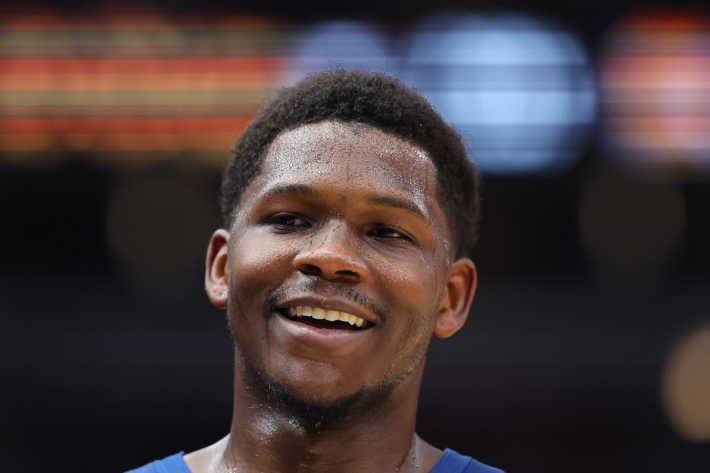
332, 255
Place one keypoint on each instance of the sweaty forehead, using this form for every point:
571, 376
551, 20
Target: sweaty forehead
362, 154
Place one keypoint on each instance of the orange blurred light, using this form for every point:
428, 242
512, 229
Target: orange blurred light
127, 77
139, 66
117, 134
655, 92
686, 386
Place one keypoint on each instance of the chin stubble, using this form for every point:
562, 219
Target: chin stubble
311, 412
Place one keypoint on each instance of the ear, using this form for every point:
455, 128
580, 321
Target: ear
216, 270
457, 298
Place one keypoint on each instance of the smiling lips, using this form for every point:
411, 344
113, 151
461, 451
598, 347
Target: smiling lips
328, 315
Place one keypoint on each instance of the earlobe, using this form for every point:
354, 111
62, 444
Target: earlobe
457, 298
217, 269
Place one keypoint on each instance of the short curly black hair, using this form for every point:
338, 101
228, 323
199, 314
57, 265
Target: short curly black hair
376, 100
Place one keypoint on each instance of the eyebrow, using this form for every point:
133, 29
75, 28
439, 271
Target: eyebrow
397, 203
304, 190
291, 189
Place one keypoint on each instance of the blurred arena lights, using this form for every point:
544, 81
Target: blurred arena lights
126, 79
686, 386
345, 44
518, 87
655, 93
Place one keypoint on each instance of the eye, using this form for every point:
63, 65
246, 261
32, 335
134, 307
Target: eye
388, 233
288, 221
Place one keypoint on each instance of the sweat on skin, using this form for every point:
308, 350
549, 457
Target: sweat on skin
342, 218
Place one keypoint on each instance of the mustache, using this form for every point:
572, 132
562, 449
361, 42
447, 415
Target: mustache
326, 289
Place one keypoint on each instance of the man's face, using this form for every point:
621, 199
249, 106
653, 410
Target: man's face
341, 218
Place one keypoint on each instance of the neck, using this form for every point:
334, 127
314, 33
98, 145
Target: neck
266, 438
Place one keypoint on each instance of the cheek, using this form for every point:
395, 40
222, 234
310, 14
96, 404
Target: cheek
413, 291
413, 284
256, 265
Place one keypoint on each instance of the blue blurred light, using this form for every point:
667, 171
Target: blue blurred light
346, 44
519, 88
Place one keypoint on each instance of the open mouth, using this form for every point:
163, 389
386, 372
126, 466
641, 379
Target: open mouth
321, 318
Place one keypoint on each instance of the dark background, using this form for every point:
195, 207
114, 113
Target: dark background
557, 370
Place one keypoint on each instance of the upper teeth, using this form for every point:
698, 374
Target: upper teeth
332, 315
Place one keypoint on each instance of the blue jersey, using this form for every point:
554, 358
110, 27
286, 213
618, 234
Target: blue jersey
450, 462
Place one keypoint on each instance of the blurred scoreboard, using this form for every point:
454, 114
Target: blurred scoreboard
135, 86
132, 81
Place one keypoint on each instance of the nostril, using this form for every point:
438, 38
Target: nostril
346, 273
311, 269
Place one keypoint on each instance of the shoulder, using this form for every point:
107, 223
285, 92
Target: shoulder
453, 462
171, 464
475, 466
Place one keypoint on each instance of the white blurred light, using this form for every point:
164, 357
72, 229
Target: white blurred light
346, 44
519, 88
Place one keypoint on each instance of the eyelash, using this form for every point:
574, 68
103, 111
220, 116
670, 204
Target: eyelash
285, 221
400, 235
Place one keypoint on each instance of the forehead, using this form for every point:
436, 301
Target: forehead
359, 153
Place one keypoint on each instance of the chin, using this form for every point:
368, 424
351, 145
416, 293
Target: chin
322, 410
318, 404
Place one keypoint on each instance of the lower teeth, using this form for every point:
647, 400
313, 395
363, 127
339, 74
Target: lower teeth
324, 322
